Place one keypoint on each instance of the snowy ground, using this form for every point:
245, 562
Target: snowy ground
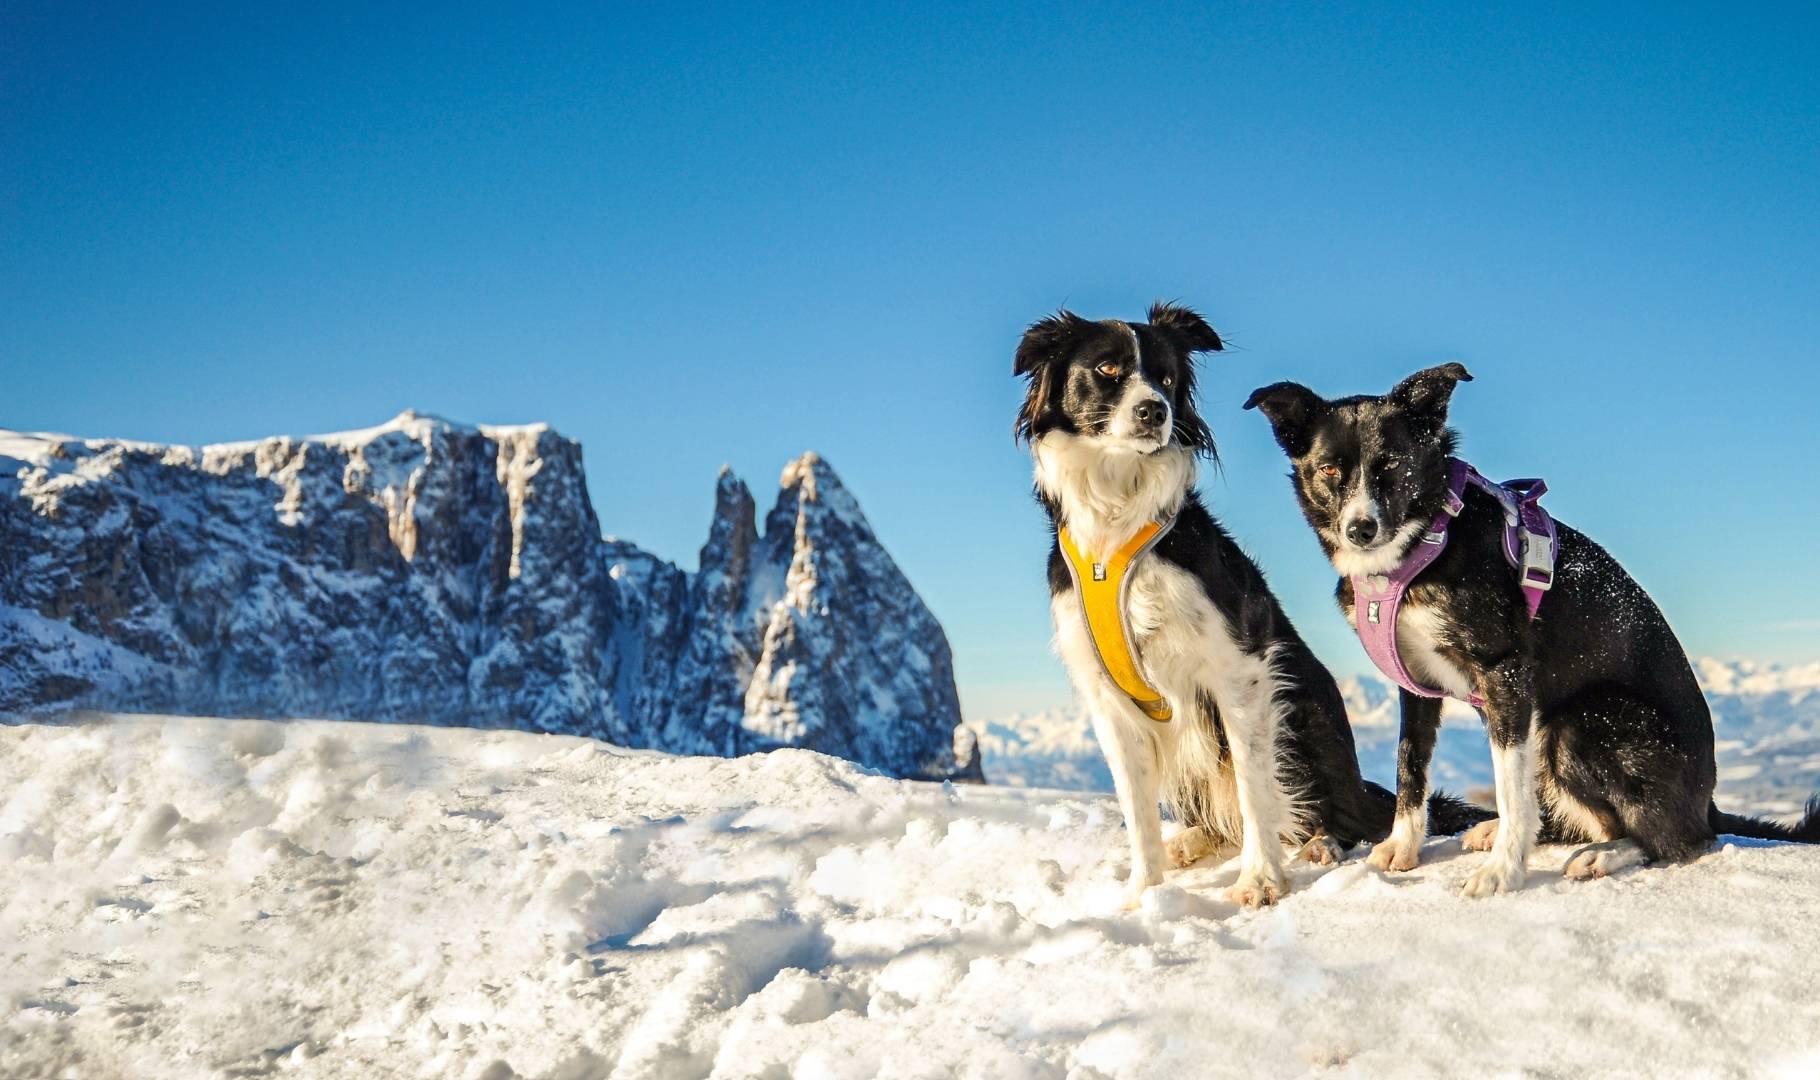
192, 897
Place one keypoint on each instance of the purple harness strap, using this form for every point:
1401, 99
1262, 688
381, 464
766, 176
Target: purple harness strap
1530, 545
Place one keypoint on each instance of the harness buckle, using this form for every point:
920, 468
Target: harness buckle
1538, 564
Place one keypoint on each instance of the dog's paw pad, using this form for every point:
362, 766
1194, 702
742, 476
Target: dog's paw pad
1136, 885
1602, 860
1256, 890
1481, 836
1394, 854
1322, 851
1189, 846
1493, 878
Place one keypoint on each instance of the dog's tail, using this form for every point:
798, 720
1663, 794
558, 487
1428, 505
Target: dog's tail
1447, 815
1805, 831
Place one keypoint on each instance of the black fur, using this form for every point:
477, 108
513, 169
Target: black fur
1059, 355
1622, 727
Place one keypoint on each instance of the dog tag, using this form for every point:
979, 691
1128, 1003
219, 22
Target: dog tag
1099, 571
1372, 611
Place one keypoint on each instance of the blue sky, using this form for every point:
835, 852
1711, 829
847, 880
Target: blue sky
698, 236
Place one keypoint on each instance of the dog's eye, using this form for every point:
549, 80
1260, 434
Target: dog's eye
1168, 381
1110, 369
1331, 472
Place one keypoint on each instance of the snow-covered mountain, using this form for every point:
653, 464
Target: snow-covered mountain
1766, 719
426, 571
1054, 748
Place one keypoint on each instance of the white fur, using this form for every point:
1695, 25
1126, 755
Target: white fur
1361, 507
1353, 561
1572, 817
1402, 849
1193, 844
1481, 836
1419, 638
1603, 860
1187, 650
1106, 493
1322, 850
1514, 774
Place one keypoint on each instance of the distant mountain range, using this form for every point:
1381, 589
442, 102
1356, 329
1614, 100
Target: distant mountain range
434, 572
1766, 719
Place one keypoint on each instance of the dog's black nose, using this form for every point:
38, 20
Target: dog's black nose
1149, 413
1362, 531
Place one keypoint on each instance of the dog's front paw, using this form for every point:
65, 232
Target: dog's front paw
1258, 887
1190, 846
1322, 850
1496, 876
1136, 885
1397, 853
1481, 836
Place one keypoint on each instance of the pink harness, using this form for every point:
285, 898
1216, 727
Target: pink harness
1530, 545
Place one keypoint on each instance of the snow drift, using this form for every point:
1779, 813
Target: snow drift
425, 571
187, 897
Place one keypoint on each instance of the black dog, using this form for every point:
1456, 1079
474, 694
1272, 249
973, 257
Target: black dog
1593, 700
1258, 750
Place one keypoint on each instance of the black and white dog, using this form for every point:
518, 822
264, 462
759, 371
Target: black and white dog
1259, 750
1592, 702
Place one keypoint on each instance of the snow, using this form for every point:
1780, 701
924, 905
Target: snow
40, 447
414, 424
190, 897
30, 447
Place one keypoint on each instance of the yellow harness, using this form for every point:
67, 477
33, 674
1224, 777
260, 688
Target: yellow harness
1101, 587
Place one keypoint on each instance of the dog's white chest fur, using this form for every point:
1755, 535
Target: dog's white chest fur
1419, 636
1186, 647
1106, 497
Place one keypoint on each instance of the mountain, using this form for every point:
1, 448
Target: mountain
1054, 748
427, 571
1766, 718
1766, 723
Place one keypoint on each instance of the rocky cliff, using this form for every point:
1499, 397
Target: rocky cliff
426, 571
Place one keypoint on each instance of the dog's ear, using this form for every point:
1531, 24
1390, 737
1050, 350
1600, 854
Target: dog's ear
1038, 354
1426, 393
1046, 340
1186, 326
1292, 410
